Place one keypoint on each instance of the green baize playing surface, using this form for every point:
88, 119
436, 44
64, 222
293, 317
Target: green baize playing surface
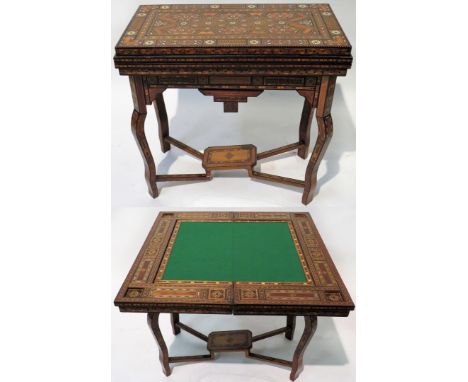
234, 251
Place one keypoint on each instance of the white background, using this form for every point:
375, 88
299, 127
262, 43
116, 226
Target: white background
55, 250
268, 121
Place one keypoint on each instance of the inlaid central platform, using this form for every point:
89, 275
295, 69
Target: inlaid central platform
230, 158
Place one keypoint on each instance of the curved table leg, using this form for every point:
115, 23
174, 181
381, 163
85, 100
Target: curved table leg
325, 132
138, 130
325, 128
290, 325
163, 124
297, 362
163, 353
304, 126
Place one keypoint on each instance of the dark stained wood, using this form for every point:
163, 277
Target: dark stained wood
323, 294
290, 325
231, 106
161, 115
325, 132
192, 331
309, 330
259, 81
306, 122
174, 323
181, 177
278, 179
301, 48
279, 150
153, 323
309, 41
322, 97
234, 341
184, 147
138, 94
266, 358
269, 334
191, 358
138, 130
230, 97
230, 340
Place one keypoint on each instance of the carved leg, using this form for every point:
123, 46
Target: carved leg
161, 115
174, 322
325, 128
325, 132
297, 362
138, 130
163, 353
291, 325
304, 128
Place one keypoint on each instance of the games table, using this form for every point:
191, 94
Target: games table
242, 263
232, 52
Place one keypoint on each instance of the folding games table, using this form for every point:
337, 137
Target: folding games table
242, 263
232, 52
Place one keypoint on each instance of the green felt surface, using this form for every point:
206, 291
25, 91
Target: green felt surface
234, 251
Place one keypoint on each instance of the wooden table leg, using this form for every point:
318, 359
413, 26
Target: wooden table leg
174, 322
290, 325
138, 130
325, 132
163, 353
297, 362
306, 121
163, 124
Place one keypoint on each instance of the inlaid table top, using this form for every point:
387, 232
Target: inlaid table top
211, 38
234, 262
234, 25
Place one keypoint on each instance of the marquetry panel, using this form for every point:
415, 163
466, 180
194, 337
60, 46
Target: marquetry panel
233, 25
229, 157
182, 291
261, 215
263, 45
237, 82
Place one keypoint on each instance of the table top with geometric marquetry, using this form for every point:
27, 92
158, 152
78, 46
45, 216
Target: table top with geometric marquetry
218, 39
234, 262
233, 25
